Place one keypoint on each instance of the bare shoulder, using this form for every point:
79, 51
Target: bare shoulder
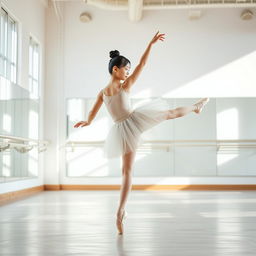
105, 89
100, 94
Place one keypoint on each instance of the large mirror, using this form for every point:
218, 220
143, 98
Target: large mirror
221, 141
19, 119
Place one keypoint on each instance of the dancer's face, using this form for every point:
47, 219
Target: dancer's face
123, 72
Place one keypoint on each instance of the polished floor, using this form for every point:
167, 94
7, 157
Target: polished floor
159, 223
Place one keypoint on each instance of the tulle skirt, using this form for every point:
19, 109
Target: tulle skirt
125, 136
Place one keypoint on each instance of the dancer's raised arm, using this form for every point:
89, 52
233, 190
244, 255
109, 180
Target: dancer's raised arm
93, 111
134, 76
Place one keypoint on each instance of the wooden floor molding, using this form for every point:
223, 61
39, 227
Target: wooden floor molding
20, 194
52, 187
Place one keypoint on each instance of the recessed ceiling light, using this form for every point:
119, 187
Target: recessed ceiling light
246, 15
85, 17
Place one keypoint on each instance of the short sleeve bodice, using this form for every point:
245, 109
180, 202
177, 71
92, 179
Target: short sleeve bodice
118, 105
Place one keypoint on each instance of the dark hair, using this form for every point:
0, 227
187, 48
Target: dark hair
117, 60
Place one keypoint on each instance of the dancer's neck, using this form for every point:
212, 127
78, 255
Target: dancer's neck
114, 83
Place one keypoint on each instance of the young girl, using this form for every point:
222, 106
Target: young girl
124, 136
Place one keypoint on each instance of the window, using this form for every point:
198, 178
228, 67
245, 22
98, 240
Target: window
8, 46
33, 68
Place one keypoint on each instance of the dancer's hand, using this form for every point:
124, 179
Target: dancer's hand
82, 124
157, 37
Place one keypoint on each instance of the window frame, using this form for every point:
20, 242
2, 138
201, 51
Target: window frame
9, 52
34, 43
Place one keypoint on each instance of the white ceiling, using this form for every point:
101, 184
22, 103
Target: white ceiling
136, 7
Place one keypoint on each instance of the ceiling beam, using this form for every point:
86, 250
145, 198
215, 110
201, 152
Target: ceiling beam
135, 8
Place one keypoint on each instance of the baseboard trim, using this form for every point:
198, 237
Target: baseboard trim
20, 194
52, 187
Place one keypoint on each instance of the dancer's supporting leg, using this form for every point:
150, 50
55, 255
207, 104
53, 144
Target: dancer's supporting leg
128, 160
182, 111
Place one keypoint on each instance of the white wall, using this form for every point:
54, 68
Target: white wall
213, 56
30, 15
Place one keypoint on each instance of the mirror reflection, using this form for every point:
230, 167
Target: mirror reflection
19, 117
221, 141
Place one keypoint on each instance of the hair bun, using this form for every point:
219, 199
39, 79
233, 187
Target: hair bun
114, 53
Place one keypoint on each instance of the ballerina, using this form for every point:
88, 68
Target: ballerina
124, 137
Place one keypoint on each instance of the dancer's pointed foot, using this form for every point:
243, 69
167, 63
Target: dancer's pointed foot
200, 105
119, 222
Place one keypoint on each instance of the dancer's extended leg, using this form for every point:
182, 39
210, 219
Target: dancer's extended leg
182, 111
128, 160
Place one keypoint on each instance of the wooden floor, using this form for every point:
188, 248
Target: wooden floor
159, 223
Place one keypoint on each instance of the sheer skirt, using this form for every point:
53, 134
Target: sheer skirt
124, 136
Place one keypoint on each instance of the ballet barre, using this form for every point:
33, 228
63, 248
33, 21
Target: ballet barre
22, 145
221, 145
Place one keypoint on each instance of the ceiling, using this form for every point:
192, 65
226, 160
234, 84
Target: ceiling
135, 8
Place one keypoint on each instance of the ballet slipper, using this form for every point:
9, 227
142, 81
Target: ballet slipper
119, 222
200, 105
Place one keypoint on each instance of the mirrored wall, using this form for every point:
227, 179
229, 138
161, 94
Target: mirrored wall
221, 141
19, 123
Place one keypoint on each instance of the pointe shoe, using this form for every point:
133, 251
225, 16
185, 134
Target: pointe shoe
119, 222
200, 105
